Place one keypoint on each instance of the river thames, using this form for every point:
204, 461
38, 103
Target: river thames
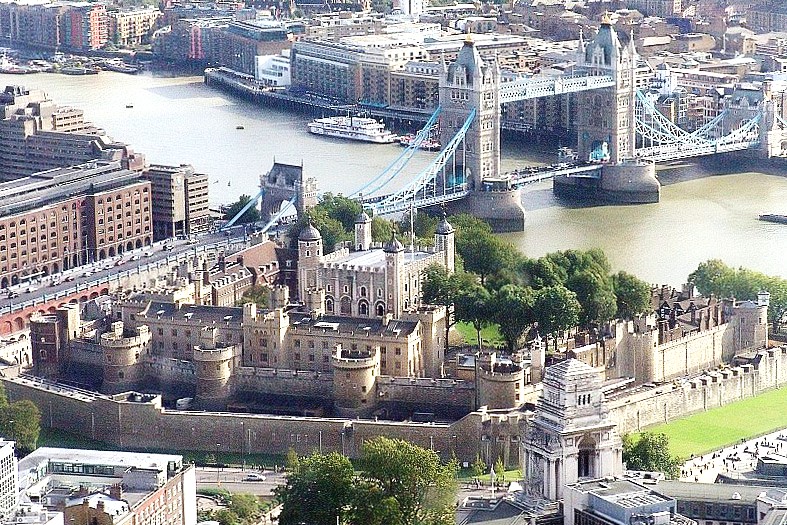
180, 120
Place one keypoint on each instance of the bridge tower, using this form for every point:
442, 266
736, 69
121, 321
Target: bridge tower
467, 83
472, 83
605, 118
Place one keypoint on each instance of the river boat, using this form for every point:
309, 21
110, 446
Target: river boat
428, 144
78, 70
10, 68
119, 67
773, 217
352, 128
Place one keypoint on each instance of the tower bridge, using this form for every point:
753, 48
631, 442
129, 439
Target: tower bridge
620, 136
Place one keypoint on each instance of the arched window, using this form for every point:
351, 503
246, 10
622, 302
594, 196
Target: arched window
363, 291
363, 308
329, 305
379, 309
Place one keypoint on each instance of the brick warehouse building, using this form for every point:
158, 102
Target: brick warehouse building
65, 217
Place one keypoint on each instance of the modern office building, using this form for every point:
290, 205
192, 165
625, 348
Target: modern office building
9, 489
181, 198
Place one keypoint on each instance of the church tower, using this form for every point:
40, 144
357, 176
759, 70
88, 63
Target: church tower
444, 242
605, 127
309, 259
363, 232
571, 436
470, 82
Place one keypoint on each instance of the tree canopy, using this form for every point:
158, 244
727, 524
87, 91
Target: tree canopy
20, 421
715, 277
650, 452
398, 483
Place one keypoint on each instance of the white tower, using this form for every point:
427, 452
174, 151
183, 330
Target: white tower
309, 259
363, 232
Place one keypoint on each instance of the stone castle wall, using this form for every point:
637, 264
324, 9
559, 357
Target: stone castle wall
124, 422
648, 405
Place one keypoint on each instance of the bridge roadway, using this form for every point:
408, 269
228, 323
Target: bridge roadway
72, 281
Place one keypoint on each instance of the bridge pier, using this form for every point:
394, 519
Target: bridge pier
624, 183
503, 210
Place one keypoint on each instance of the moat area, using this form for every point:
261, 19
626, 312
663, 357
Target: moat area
180, 120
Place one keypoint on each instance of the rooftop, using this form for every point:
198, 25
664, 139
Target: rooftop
394, 328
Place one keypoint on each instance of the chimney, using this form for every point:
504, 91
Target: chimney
116, 491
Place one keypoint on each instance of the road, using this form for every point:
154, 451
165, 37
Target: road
234, 480
71, 281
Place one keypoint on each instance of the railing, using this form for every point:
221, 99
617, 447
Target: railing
537, 87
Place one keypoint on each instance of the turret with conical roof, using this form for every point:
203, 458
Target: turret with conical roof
310, 253
363, 232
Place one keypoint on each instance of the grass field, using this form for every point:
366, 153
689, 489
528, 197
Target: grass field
729, 424
490, 335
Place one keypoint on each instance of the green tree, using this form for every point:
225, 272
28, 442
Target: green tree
541, 272
381, 229
556, 309
226, 517
715, 277
512, 309
319, 491
478, 466
423, 488
291, 459
24, 424
372, 507
467, 225
245, 506
472, 305
259, 295
650, 453
341, 208
595, 295
500, 471
485, 254
632, 295
251, 215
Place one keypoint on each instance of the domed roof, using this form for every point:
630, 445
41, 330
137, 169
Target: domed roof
393, 246
310, 233
362, 217
444, 228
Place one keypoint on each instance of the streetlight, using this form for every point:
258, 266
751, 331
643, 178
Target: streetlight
218, 478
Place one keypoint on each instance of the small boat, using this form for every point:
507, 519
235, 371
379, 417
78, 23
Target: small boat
119, 67
129, 106
428, 144
773, 217
239, 126
352, 128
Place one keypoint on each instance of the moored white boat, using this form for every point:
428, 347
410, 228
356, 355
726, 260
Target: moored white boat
352, 128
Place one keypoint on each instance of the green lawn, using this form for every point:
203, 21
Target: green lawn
490, 335
726, 425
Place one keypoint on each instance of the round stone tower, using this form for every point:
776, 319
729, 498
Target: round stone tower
123, 354
214, 365
354, 381
500, 382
